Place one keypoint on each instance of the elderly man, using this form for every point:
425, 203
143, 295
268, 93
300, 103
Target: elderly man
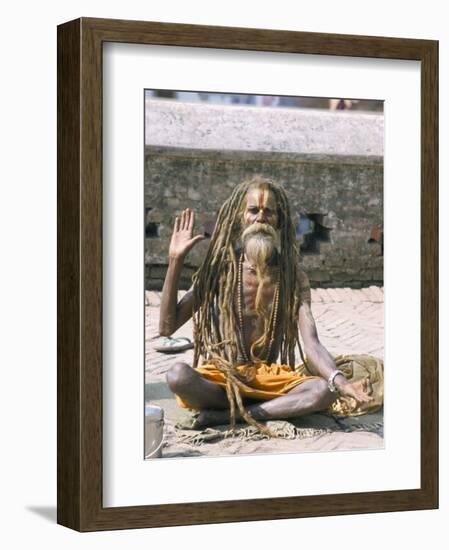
249, 301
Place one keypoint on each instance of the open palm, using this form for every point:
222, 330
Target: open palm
182, 239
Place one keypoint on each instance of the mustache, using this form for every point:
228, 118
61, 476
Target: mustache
261, 240
259, 228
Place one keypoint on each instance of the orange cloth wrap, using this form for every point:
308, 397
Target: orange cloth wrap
270, 381
265, 381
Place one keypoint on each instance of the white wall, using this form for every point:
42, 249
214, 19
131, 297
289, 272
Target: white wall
28, 271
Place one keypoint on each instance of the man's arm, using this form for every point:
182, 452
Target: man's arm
173, 314
319, 360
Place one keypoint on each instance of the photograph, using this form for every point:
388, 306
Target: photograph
264, 274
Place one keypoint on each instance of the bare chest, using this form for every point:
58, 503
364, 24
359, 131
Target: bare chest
258, 304
257, 299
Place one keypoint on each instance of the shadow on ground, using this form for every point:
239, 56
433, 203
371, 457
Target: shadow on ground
46, 512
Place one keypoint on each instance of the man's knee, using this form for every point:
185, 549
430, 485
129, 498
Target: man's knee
179, 376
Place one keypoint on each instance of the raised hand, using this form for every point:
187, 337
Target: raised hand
182, 240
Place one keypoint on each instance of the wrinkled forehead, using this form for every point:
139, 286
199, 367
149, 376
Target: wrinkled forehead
261, 198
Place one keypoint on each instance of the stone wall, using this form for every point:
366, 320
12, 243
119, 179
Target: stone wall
330, 163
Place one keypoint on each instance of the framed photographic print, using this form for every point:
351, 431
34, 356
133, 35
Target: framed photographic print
261, 206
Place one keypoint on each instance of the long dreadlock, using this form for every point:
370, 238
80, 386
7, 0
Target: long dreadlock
215, 323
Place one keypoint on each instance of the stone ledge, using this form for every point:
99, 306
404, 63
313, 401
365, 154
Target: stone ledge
280, 130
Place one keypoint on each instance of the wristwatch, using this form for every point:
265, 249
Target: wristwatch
330, 380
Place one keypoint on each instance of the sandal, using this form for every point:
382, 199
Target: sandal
167, 344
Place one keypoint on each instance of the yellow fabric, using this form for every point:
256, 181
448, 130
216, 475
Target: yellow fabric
270, 381
266, 381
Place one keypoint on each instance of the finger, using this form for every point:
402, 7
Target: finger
366, 388
187, 220
198, 238
183, 219
176, 226
192, 220
366, 398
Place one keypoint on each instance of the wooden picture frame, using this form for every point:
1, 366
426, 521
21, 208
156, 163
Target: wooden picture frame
80, 350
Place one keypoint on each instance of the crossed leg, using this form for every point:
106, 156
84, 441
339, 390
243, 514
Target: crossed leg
308, 397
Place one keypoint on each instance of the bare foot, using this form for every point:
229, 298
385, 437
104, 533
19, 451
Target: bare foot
208, 418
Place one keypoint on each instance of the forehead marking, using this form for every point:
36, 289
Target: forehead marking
261, 197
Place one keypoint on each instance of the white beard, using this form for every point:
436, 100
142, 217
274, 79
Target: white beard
260, 242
